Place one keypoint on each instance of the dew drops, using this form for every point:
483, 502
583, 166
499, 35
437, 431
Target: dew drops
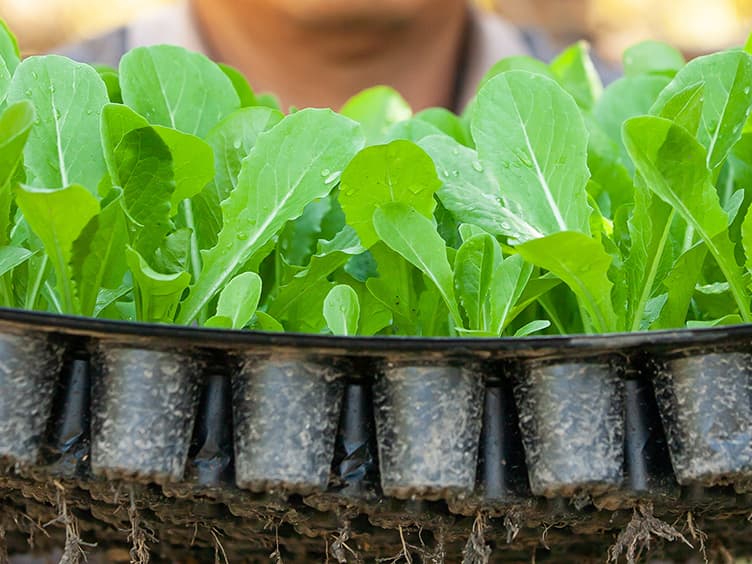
505, 225
52, 88
326, 172
242, 236
29, 92
455, 173
35, 75
445, 172
237, 144
746, 90
455, 152
477, 167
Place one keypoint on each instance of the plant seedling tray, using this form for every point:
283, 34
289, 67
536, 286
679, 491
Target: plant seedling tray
178, 441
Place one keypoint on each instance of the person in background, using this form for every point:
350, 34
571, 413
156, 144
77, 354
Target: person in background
320, 52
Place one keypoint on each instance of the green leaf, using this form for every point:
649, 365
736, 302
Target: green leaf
330, 256
192, 158
398, 172
732, 319
64, 146
157, 295
412, 235
297, 241
58, 217
652, 57
9, 51
192, 162
117, 121
290, 165
219, 322
470, 191
608, 170
650, 255
582, 264
12, 257
575, 71
176, 88
173, 255
377, 109
412, 129
239, 299
680, 284
727, 77
625, 98
673, 165
685, 107
144, 170
477, 260
374, 315
532, 327
448, 123
394, 287
9, 59
15, 124
240, 83
342, 310
111, 80
508, 285
747, 239
517, 62
232, 140
532, 136
98, 255
265, 322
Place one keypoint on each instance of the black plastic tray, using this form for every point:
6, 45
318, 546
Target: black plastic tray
176, 440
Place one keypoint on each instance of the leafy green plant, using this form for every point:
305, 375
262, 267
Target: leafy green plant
168, 191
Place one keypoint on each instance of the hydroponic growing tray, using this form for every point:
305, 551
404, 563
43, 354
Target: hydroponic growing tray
171, 441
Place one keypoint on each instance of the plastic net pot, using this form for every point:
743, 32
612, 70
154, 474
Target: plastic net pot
143, 410
705, 403
285, 414
572, 423
30, 365
428, 421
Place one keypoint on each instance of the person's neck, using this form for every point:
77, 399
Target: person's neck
310, 66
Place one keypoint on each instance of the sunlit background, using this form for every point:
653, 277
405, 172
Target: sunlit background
695, 26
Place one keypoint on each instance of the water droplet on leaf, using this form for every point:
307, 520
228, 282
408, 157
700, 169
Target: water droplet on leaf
477, 166
326, 172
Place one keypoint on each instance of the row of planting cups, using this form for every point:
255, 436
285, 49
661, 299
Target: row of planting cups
585, 427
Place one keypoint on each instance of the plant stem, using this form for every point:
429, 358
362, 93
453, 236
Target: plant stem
33, 295
647, 287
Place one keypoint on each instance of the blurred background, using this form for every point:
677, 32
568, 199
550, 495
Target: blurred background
695, 26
